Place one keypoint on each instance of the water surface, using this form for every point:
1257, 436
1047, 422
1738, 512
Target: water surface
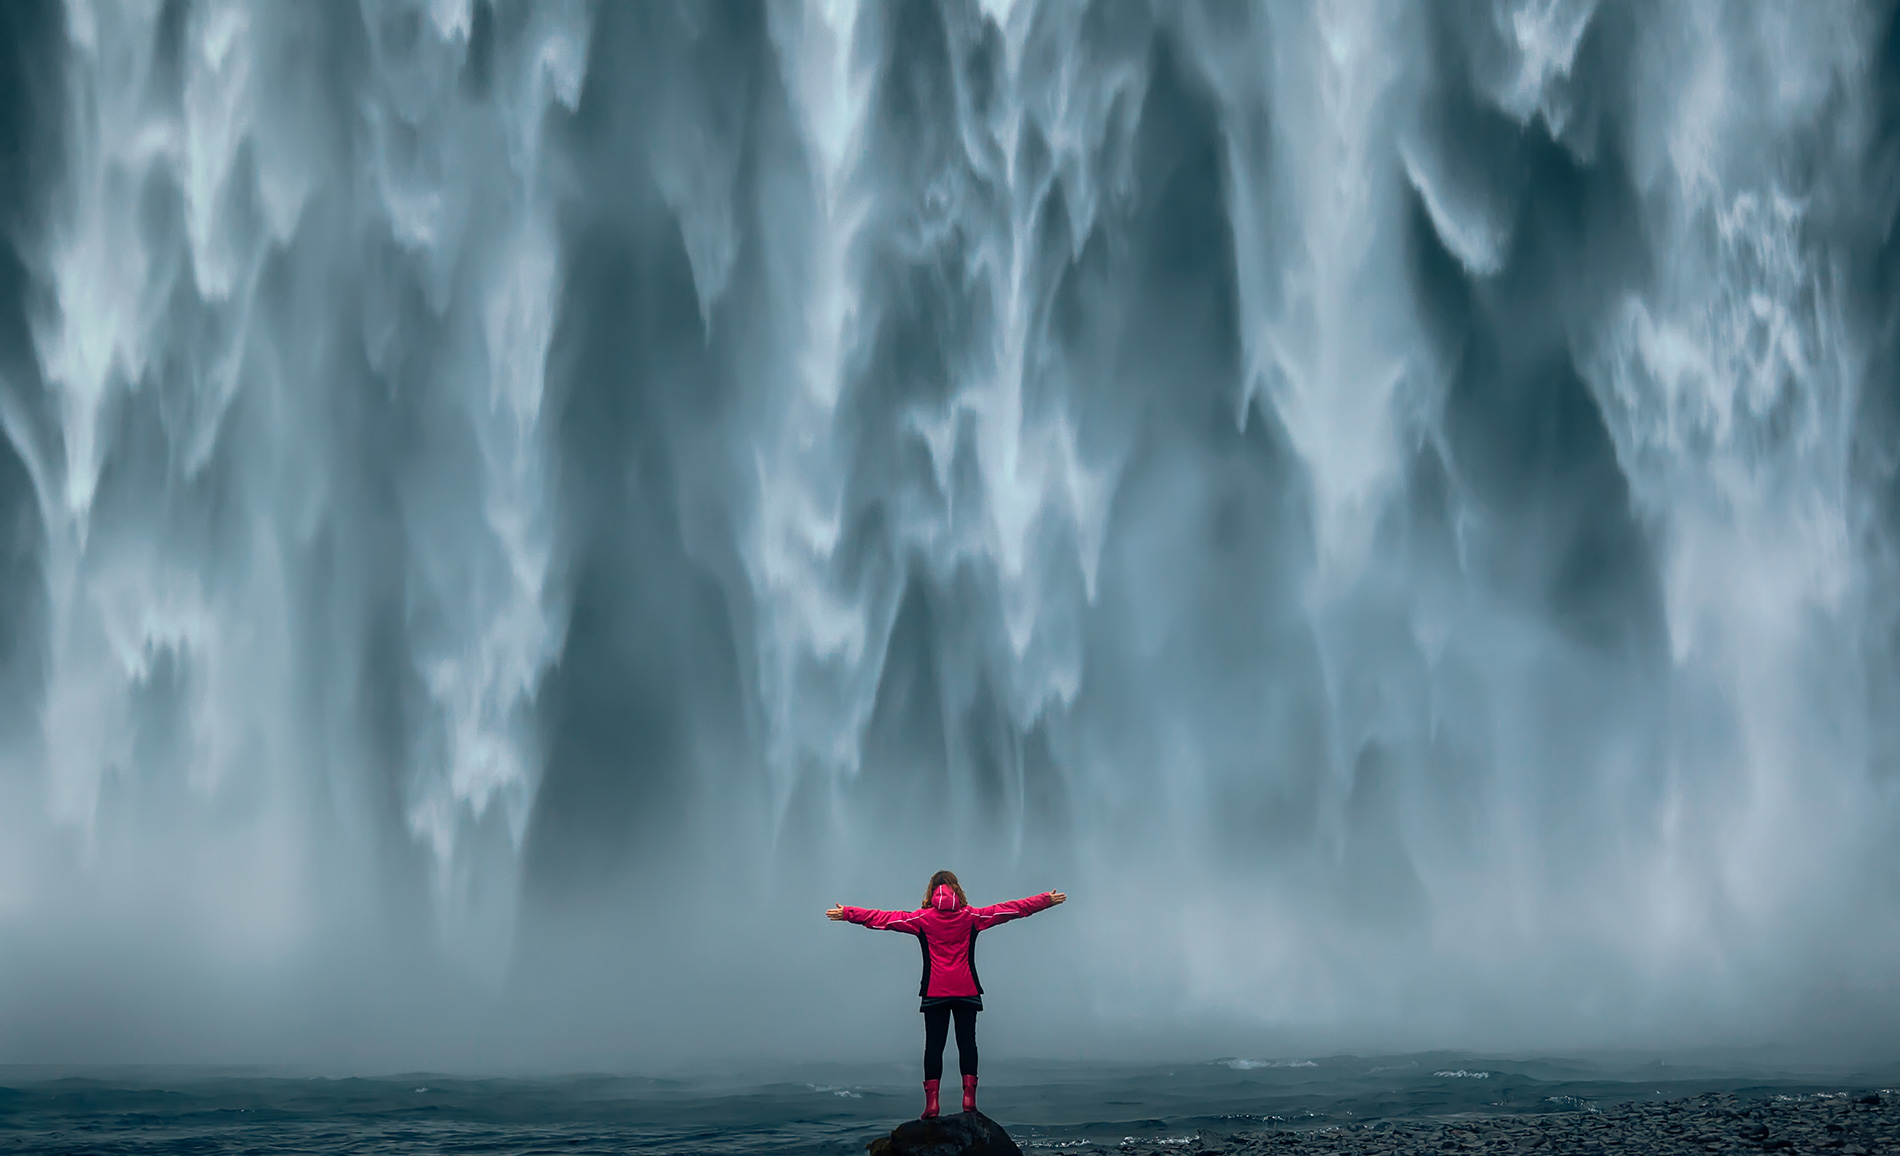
830, 1108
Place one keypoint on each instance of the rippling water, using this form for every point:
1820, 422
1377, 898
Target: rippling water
833, 1109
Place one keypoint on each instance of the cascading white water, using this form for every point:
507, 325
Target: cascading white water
1390, 505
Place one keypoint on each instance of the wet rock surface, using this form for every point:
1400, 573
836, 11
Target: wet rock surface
956, 1134
1849, 1123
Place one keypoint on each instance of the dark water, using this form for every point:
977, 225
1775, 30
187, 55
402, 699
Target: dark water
829, 1109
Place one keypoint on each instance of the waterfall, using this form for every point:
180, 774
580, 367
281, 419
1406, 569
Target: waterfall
1393, 506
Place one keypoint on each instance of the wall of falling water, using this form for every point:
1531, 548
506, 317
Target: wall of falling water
507, 510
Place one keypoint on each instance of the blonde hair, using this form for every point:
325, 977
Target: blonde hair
944, 879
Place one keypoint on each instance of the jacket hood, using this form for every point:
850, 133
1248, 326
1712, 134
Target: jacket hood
944, 899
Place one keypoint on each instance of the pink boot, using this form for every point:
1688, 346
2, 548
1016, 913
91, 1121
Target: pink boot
930, 1099
969, 1093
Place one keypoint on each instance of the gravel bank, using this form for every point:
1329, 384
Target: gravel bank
1856, 1123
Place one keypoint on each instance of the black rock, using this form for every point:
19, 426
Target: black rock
964, 1134
1871, 1098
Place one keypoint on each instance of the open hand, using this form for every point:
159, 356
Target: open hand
836, 913
1057, 897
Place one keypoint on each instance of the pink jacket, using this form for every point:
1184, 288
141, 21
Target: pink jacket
947, 931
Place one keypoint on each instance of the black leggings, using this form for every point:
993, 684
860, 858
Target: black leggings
937, 1026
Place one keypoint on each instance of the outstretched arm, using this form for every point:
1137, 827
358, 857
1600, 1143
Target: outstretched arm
873, 919
1016, 909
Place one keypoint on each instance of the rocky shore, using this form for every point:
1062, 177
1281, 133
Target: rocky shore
1858, 1123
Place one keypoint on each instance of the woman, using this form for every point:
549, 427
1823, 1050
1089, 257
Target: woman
946, 927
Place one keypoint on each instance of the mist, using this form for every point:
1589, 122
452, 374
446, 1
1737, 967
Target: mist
509, 510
